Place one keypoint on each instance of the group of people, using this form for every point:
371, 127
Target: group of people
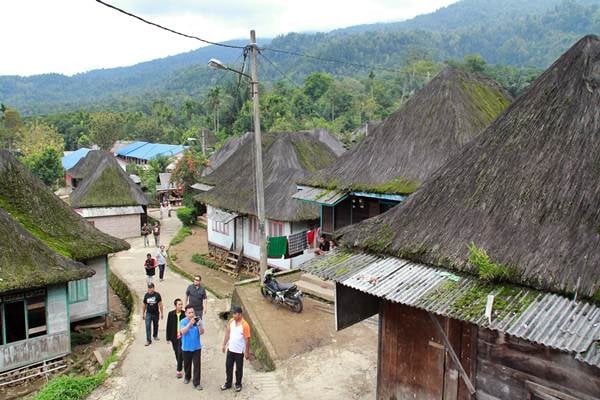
154, 230
165, 208
325, 245
160, 262
185, 326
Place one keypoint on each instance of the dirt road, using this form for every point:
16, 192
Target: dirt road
329, 372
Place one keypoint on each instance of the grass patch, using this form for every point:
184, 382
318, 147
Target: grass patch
71, 387
489, 271
199, 259
184, 232
122, 291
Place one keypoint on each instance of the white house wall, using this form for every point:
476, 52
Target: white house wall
218, 238
120, 226
97, 301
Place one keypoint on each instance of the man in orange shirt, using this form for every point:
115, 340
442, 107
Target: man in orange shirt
237, 343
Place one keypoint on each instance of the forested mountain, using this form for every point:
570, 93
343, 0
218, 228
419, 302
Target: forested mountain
512, 32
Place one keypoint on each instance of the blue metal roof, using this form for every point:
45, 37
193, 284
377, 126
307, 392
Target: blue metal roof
73, 158
148, 151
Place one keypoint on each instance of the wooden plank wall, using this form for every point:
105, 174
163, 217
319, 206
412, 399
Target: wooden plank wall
505, 364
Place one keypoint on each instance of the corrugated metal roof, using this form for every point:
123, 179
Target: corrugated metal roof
201, 187
69, 160
545, 318
108, 211
221, 216
148, 151
320, 196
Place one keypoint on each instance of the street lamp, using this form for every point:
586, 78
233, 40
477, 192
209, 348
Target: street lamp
260, 190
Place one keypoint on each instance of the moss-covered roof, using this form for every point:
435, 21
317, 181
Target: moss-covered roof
287, 157
48, 218
107, 186
26, 262
525, 192
418, 138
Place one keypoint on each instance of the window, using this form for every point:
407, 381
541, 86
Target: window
253, 229
36, 316
220, 227
26, 314
275, 228
78, 291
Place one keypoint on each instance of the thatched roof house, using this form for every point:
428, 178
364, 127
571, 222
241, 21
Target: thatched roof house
104, 184
231, 202
287, 158
28, 263
495, 258
47, 217
108, 197
419, 137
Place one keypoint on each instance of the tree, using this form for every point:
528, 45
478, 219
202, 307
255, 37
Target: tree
38, 136
46, 166
10, 126
105, 129
317, 84
475, 63
188, 169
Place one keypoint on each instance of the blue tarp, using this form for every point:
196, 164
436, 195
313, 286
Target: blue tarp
73, 158
148, 151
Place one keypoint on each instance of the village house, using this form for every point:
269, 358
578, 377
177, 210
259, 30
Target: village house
34, 300
398, 155
231, 198
487, 279
167, 190
141, 152
107, 197
53, 222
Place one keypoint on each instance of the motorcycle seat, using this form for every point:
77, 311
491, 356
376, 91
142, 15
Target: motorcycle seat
284, 286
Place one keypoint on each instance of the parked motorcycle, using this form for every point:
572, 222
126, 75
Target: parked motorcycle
281, 293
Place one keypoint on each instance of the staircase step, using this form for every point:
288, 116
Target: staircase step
316, 290
232, 259
227, 271
309, 278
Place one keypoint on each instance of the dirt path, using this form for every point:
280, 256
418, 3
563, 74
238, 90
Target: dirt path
330, 372
197, 243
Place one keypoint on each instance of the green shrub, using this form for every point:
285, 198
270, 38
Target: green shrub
199, 259
488, 271
186, 215
181, 235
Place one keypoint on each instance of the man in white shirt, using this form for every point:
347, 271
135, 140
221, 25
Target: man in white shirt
237, 343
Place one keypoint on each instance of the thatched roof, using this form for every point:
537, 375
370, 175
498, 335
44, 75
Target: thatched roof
87, 165
287, 158
27, 263
228, 148
526, 190
418, 138
47, 217
107, 185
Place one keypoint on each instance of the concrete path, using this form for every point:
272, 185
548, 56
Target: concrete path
149, 372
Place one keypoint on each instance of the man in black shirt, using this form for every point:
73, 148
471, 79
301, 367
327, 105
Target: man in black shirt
195, 295
323, 245
152, 310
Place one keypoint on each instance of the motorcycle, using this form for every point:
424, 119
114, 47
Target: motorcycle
281, 293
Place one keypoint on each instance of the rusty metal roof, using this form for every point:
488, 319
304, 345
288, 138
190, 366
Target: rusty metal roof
545, 318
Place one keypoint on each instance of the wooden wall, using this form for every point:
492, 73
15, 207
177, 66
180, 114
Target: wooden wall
97, 302
505, 364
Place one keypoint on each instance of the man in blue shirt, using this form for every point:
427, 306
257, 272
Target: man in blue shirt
191, 328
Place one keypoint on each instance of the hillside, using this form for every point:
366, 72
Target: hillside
511, 32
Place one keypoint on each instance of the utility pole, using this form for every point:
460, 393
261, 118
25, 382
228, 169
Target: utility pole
203, 143
260, 189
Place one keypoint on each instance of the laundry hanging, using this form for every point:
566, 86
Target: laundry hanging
277, 246
297, 243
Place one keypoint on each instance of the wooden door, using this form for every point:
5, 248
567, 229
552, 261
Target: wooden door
239, 233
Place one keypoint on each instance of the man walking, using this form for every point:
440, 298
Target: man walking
191, 329
145, 233
152, 310
237, 343
173, 334
150, 267
195, 295
161, 260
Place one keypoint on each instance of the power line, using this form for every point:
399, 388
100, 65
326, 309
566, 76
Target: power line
168, 29
331, 60
286, 76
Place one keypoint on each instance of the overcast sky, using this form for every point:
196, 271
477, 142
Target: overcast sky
71, 36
